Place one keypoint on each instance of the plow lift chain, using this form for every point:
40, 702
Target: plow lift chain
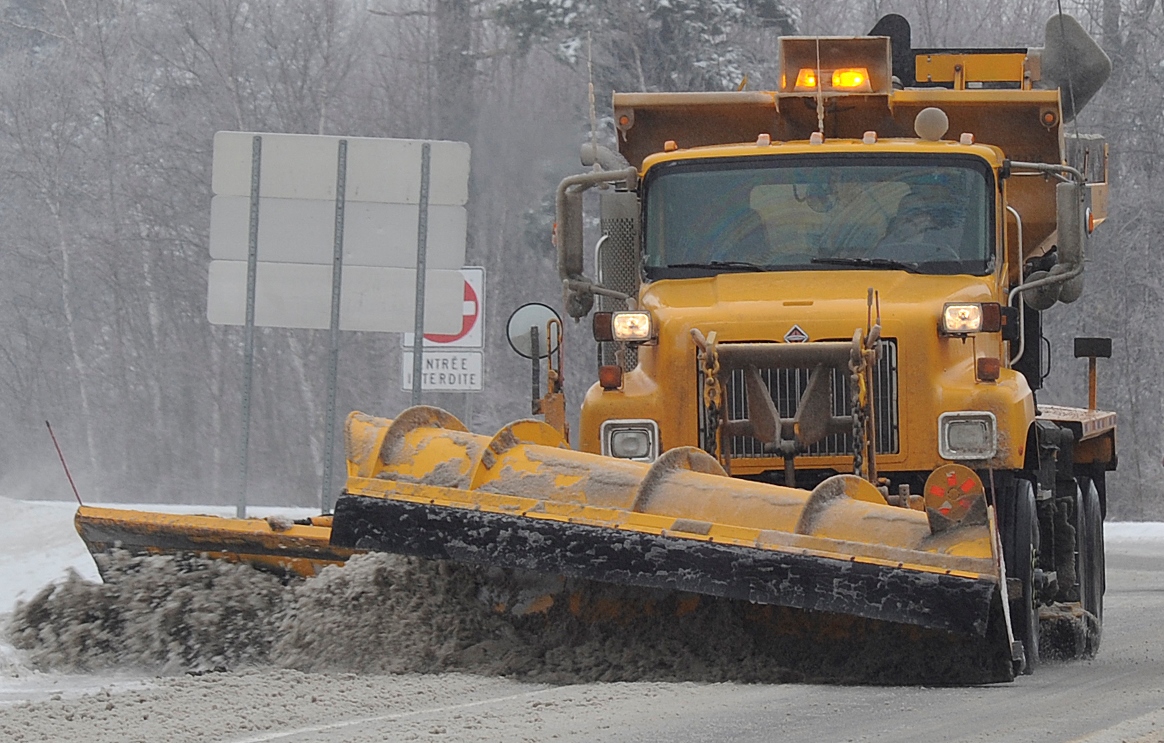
712, 398
858, 394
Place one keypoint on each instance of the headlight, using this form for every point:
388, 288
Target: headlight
631, 439
631, 326
977, 317
972, 435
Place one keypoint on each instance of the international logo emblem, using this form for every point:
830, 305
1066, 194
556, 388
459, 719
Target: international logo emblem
795, 334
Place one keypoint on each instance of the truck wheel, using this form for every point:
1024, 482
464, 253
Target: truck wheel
1021, 535
1082, 547
1093, 575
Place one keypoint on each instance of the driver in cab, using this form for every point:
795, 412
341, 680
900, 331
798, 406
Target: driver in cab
927, 227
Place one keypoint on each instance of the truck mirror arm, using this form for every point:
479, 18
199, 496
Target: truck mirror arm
568, 236
1009, 166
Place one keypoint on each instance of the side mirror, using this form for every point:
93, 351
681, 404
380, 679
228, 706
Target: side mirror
1070, 204
568, 234
1071, 208
527, 327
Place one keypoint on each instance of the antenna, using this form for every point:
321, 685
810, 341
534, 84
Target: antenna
61, 454
819, 94
590, 92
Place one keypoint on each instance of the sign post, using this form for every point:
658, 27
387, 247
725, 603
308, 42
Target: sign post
421, 257
337, 268
249, 332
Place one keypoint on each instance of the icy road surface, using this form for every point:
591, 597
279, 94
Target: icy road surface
1119, 696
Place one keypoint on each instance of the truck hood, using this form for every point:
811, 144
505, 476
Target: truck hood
756, 306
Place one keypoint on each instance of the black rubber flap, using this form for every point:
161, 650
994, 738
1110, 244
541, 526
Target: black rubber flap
938, 601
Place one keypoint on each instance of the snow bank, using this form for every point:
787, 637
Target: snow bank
384, 613
38, 544
1133, 531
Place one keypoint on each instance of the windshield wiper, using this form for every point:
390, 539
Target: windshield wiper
877, 263
739, 265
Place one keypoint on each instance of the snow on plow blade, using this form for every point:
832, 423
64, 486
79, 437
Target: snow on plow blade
422, 485
279, 546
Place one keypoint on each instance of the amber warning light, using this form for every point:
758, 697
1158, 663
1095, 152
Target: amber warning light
849, 79
835, 65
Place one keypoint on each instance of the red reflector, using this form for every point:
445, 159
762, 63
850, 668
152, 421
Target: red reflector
991, 317
989, 369
610, 377
601, 327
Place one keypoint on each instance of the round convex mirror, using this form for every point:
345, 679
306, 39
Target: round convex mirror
532, 315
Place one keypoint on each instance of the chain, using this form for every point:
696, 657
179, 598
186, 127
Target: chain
713, 400
858, 395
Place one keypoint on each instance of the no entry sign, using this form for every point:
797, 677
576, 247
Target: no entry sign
471, 334
453, 362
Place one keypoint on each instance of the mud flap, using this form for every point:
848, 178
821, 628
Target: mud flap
794, 579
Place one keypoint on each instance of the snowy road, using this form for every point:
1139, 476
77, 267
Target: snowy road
1119, 696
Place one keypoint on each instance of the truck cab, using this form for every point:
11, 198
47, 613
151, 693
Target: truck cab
849, 274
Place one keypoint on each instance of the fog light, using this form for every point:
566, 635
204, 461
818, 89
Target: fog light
971, 435
630, 443
631, 439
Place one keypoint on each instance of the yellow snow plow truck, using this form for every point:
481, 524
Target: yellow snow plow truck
819, 328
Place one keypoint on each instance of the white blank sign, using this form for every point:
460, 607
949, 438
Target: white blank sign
297, 220
298, 295
303, 231
303, 166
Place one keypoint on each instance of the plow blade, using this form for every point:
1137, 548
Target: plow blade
795, 578
422, 485
286, 548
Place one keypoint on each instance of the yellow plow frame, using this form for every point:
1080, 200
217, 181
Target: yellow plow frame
423, 485
299, 549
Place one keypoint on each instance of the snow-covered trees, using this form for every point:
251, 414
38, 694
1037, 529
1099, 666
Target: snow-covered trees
107, 112
652, 45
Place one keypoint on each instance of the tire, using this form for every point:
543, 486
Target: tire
1082, 548
1093, 576
1020, 538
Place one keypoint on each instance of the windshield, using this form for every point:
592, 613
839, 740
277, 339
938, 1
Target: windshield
931, 215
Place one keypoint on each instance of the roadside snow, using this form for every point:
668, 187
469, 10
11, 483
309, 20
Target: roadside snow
38, 544
1133, 531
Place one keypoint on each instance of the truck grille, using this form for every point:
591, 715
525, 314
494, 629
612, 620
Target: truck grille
787, 385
